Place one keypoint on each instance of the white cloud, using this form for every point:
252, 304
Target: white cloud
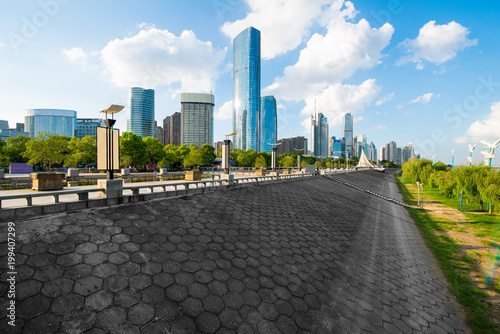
330, 58
436, 43
487, 129
225, 112
385, 99
76, 55
424, 98
380, 127
338, 99
157, 57
283, 24
280, 106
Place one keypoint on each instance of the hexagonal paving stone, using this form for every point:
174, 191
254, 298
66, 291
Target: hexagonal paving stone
153, 295
140, 314
86, 248
191, 307
167, 310
57, 287
140, 281
67, 304
198, 290
41, 260
115, 283
79, 322
48, 273
111, 318
78, 271
230, 318
27, 289
70, 259
95, 258
163, 280
213, 304
99, 301
151, 268
118, 258
208, 322
87, 285
46, 323
105, 270
129, 269
120, 238
140, 257
109, 247
176, 292
62, 248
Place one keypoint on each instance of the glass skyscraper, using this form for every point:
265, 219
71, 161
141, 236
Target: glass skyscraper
197, 125
59, 121
319, 135
362, 145
268, 123
246, 89
87, 126
141, 119
347, 127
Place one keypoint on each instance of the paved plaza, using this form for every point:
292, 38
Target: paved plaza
309, 255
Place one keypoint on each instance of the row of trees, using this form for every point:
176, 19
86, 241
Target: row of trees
480, 184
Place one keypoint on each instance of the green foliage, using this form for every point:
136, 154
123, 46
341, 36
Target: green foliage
247, 158
46, 149
132, 149
4, 159
15, 148
194, 158
208, 154
260, 162
153, 150
82, 151
288, 161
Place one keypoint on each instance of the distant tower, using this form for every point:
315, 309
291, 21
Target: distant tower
372, 152
197, 112
141, 119
347, 131
319, 135
268, 123
58, 121
175, 129
246, 89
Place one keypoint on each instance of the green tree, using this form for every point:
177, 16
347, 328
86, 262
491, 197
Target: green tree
260, 162
46, 149
288, 161
4, 159
182, 152
208, 154
247, 158
132, 149
153, 150
194, 158
16, 146
83, 151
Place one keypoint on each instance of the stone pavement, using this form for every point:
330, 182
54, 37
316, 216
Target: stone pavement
307, 255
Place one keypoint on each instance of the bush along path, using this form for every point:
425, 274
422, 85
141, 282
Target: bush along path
466, 244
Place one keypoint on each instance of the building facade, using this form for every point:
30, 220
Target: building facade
294, 144
361, 145
87, 126
268, 123
319, 135
59, 121
372, 152
141, 119
197, 113
246, 89
159, 133
6, 132
336, 147
347, 132
175, 129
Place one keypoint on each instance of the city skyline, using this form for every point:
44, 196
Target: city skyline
374, 60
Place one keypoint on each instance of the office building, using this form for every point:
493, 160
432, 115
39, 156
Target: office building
290, 145
87, 126
59, 121
246, 89
175, 129
268, 123
141, 119
347, 132
319, 135
390, 151
159, 133
382, 153
335, 147
372, 152
361, 145
166, 130
6, 132
4, 124
197, 113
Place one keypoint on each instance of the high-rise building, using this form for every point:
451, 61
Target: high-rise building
372, 152
87, 126
246, 89
6, 132
335, 147
141, 119
175, 129
382, 153
290, 145
166, 130
268, 123
59, 121
319, 135
197, 113
4, 124
347, 132
361, 145
159, 133
390, 152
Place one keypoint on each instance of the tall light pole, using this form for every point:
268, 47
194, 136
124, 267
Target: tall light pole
273, 155
471, 149
225, 153
299, 150
107, 139
491, 146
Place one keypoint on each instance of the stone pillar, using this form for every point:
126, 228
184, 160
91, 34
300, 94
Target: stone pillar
273, 159
225, 156
298, 161
112, 188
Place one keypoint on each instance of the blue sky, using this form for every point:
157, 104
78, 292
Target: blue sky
426, 72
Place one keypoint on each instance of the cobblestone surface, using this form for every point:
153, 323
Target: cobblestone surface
311, 255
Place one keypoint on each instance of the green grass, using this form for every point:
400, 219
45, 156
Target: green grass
455, 266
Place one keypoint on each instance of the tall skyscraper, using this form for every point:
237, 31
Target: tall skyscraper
166, 130
246, 89
141, 119
175, 129
372, 152
159, 133
335, 147
319, 135
268, 123
87, 126
347, 129
361, 145
59, 121
295, 144
197, 113
390, 151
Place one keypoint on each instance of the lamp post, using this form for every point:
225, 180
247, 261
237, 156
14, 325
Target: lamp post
273, 155
299, 157
225, 153
107, 138
471, 149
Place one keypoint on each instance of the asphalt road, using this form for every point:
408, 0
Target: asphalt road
315, 255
